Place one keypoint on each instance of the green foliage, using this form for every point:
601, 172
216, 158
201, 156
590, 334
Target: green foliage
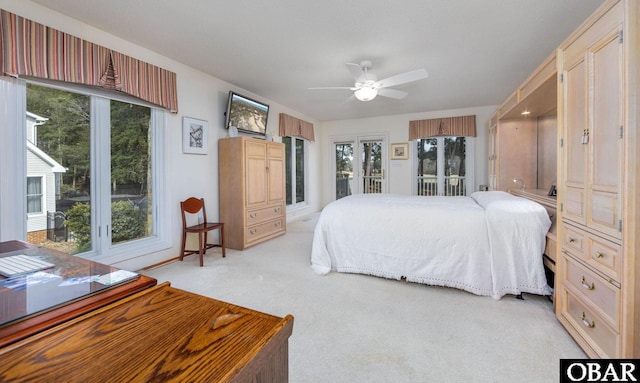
127, 222
129, 144
65, 136
344, 158
79, 223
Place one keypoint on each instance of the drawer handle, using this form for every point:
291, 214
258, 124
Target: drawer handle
585, 322
252, 215
277, 224
599, 254
253, 231
572, 240
277, 210
586, 285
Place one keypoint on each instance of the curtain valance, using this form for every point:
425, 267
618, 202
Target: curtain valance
31, 49
464, 126
295, 127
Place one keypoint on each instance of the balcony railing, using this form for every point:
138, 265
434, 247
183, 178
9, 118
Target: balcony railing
372, 184
453, 185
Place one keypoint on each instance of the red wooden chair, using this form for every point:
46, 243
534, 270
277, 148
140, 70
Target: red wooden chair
194, 205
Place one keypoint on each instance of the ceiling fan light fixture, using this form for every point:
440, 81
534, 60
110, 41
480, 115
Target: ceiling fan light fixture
366, 93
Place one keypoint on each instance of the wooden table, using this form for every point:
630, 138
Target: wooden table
29, 309
161, 334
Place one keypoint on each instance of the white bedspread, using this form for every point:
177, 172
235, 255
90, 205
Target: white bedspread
444, 241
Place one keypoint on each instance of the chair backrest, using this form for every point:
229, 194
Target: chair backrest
192, 205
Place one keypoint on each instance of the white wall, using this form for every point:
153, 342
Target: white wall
400, 173
199, 96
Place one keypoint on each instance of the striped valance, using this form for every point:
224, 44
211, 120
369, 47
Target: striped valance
31, 49
295, 127
464, 126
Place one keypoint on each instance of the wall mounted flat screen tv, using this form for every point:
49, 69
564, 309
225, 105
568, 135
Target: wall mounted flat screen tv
247, 115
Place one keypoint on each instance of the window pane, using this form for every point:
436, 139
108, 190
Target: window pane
372, 167
131, 183
344, 169
288, 166
299, 170
454, 157
58, 123
427, 166
34, 194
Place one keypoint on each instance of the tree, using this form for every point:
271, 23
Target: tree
66, 135
129, 147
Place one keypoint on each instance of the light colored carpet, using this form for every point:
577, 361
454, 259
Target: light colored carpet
356, 328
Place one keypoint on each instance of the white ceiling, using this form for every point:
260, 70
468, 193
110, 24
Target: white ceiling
476, 51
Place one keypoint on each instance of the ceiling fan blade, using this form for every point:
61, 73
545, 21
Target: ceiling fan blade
355, 70
392, 93
402, 78
334, 87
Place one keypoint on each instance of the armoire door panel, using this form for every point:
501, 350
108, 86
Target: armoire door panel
276, 180
606, 142
256, 179
575, 89
574, 208
604, 213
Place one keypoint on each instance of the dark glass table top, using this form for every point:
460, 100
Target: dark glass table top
71, 278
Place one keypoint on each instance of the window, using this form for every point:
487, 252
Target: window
34, 195
295, 169
442, 166
110, 149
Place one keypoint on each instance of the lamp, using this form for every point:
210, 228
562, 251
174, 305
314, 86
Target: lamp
515, 180
366, 93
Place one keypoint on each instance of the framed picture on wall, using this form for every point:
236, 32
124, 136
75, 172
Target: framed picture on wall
194, 135
400, 151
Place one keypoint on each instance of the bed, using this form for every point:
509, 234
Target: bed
490, 243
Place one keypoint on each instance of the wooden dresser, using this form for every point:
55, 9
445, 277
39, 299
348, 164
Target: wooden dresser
161, 334
598, 269
251, 190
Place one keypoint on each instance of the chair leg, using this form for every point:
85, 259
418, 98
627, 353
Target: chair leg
222, 240
200, 247
184, 241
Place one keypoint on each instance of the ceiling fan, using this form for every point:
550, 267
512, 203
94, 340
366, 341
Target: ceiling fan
367, 86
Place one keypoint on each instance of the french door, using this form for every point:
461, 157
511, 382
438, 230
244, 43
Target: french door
360, 165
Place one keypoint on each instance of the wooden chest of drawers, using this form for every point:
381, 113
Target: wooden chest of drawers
590, 305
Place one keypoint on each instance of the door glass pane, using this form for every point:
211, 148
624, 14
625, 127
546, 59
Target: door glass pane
299, 170
454, 157
131, 183
427, 166
344, 169
58, 146
372, 167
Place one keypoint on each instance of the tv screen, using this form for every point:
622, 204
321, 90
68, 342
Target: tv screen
247, 115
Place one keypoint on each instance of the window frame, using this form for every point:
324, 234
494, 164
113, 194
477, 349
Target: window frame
41, 194
108, 254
